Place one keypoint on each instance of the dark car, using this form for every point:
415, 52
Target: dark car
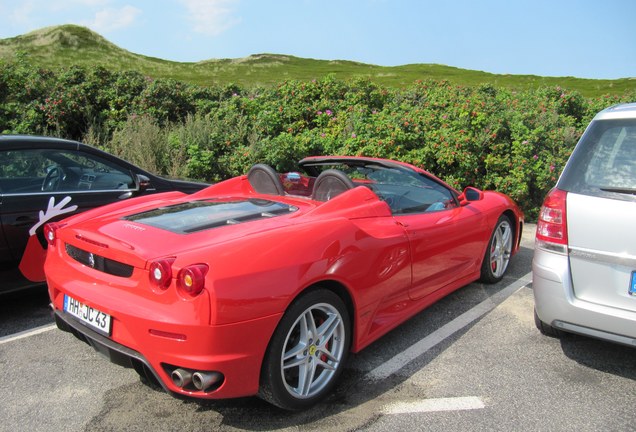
45, 179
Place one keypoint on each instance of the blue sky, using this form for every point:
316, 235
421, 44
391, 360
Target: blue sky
582, 38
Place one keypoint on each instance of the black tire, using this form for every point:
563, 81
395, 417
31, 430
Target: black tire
498, 252
315, 336
546, 329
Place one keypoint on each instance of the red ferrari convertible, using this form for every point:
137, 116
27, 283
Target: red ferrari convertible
262, 284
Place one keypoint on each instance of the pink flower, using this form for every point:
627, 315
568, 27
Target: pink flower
535, 157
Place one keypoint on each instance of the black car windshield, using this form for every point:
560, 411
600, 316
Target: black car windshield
196, 216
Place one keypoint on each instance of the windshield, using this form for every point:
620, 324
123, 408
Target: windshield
404, 190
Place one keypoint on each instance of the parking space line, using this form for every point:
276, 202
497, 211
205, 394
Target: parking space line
433, 405
26, 333
401, 359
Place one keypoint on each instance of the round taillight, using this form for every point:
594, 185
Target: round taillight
50, 231
161, 273
191, 279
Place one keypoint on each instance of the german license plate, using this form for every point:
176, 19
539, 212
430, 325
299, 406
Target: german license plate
632, 284
96, 319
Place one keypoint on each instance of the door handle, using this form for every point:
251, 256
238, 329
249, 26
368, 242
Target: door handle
24, 221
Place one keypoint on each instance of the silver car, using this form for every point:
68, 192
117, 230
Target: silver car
584, 267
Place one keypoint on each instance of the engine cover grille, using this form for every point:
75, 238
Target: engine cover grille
100, 263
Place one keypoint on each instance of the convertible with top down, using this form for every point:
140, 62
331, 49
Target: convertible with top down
264, 283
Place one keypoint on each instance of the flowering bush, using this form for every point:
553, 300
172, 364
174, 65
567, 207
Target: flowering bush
486, 136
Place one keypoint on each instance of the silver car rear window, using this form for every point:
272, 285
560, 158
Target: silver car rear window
604, 161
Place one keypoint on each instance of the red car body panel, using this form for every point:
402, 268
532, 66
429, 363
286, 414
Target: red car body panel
388, 267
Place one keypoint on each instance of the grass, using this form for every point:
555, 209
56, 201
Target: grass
62, 46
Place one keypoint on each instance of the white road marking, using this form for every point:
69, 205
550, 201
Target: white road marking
400, 360
434, 405
26, 333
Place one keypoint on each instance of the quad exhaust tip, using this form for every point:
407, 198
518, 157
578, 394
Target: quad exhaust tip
181, 377
201, 380
204, 380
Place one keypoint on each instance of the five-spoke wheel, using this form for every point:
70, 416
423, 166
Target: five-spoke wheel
499, 251
307, 352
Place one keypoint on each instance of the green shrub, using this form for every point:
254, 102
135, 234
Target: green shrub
143, 142
486, 136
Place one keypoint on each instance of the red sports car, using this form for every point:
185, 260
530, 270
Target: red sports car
262, 284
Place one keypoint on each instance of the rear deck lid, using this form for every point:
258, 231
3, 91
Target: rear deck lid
195, 216
178, 227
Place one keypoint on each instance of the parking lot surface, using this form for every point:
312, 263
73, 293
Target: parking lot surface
473, 361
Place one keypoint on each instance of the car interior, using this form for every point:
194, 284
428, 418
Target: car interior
403, 191
33, 170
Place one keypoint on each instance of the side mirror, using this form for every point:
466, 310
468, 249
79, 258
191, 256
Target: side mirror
143, 182
470, 194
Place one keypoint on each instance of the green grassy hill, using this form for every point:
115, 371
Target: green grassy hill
62, 46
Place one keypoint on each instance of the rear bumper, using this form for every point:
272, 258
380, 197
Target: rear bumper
160, 333
233, 357
557, 306
115, 352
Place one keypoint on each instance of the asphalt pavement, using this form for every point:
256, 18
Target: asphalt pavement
473, 361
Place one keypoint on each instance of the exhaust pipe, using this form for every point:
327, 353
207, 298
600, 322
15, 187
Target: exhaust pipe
181, 377
205, 380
